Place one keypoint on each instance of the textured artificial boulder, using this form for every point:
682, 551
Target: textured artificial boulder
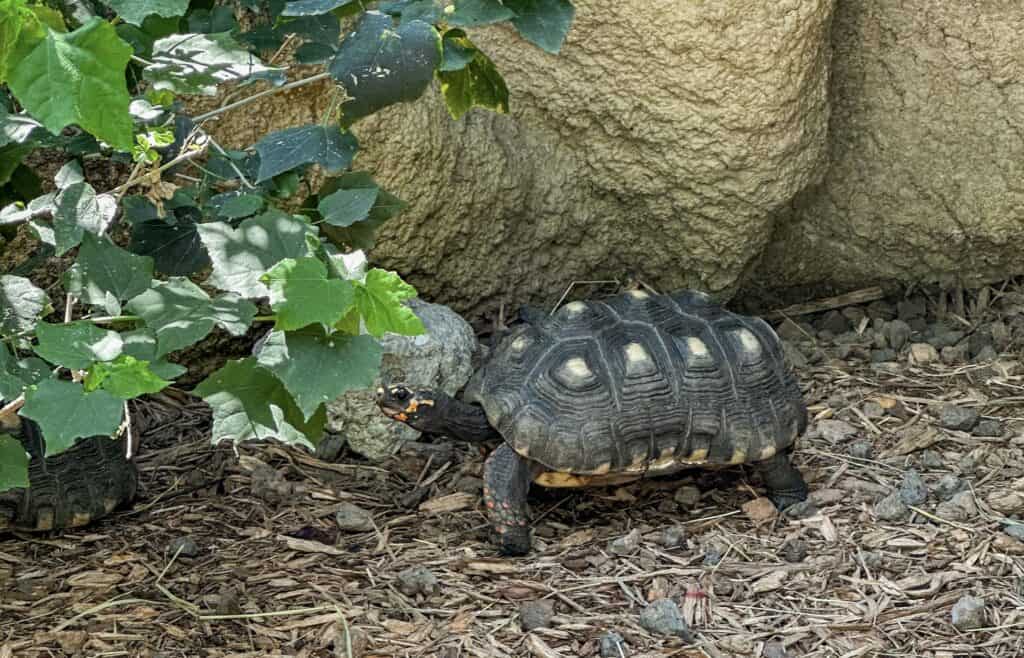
655, 146
441, 358
926, 143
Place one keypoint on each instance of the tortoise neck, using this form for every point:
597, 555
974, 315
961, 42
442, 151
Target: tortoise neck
465, 422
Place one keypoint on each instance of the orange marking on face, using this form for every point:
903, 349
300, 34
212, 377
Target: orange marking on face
401, 417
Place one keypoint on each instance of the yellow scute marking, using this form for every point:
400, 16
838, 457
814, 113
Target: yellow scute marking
766, 452
738, 456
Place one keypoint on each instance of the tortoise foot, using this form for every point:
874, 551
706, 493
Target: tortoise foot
512, 541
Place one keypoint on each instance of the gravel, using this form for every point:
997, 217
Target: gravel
794, 550
612, 645
662, 617
913, 490
625, 545
948, 486
891, 508
536, 614
861, 449
353, 518
955, 417
418, 580
988, 427
897, 333
969, 613
183, 547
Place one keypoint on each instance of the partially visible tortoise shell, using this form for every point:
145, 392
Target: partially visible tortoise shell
640, 383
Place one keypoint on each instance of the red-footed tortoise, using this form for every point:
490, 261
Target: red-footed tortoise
608, 391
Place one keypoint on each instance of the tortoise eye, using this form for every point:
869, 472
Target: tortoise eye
402, 394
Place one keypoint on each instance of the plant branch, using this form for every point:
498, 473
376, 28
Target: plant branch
249, 99
182, 157
23, 216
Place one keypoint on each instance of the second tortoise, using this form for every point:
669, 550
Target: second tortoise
613, 390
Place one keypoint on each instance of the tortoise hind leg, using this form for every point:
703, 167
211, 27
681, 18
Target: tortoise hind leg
506, 484
784, 482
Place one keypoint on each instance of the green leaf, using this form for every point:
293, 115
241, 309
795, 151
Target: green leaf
141, 344
542, 22
13, 464
248, 402
135, 11
287, 149
76, 345
316, 367
21, 305
237, 206
197, 63
126, 377
301, 294
178, 311
361, 234
312, 7
241, 256
65, 412
233, 313
18, 128
17, 374
456, 51
104, 268
20, 31
380, 65
79, 209
468, 13
78, 78
379, 300
173, 243
346, 207
69, 174
477, 84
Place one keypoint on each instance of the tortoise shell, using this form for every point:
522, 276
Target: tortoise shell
638, 383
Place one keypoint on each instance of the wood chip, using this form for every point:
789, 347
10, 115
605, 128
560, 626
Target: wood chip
309, 546
760, 509
772, 581
454, 502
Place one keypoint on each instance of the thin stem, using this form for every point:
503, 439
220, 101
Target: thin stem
231, 163
24, 216
254, 97
182, 157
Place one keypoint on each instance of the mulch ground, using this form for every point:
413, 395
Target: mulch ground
270, 573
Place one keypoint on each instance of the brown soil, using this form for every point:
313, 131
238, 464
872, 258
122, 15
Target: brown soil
274, 576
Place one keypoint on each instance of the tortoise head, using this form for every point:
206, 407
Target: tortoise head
417, 408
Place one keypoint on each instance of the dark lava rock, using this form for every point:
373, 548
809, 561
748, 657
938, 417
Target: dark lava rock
955, 417
774, 650
662, 617
881, 310
897, 333
861, 449
930, 459
913, 490
891, 508
418, 580
913, 307
353, 518
183, 547
794, 550
802, 510
883, 355
536, 614
1015, 530
986, 354
988, 427
835, 322
969, 613
612, 645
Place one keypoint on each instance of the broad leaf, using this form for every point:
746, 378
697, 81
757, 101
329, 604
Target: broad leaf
18, 128
233, 313
76, 345
141, 344
361, 234
173, 243
301, 294
235, 205
314, 53
346, 207
287, 149
456, 51
69, 174
104, 268
78, 209
468, 13
543, 22
380, 65
21, 305
65, 412
17, 22
476, 84
248, 402
17, 374
241, 256
178, 311
316, 368
126, 377
196, 63
78, 78
312, 7
379, 300
13, 463
135, 11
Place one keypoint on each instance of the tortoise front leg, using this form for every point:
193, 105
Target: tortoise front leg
784, 482
506, 483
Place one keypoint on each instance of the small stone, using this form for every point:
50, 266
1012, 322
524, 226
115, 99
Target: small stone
897, 333
353, 518
1015, 530
835, 322
961, 507
986, 354
948, 485
227, 601
794, 550
969, 613
836, 431
625, 545
884, 355
923, 354
854, 314
418, 580
713, 555
955, 417
954, 354
673, 537
774, 650
912, 307
687, 495
826, 336
1005, 501
913, 490
793, 354
790, 331
988, 427
881, 310
891, 508
979, 340
804, 509
1001, 336
536, 614
662, 617
183, 547
871, 559
943, 338
861, 449
329, 449
918, 325
612, 645
469, 484
872, 409
930, 459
